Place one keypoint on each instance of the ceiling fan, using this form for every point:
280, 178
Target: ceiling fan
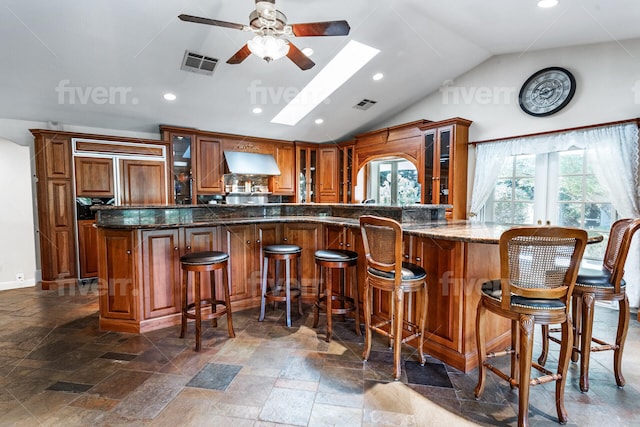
270, 28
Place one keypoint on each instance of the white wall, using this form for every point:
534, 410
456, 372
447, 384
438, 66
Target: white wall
607, 80
19, 251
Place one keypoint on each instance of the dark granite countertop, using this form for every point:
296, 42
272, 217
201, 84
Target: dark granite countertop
418, 220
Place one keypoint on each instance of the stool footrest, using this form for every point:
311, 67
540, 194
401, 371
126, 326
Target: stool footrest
321, 303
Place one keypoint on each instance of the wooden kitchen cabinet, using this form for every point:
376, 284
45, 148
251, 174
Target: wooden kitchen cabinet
244, 245
143, 182
345, 174
94, 176
306, 161
119, 298
445, 165
310, 238
209, 166
88, 248
328, 167
284, 184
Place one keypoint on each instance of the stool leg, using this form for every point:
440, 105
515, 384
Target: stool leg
398, 318
588, 305
621, 337
356, 297
185, 302
328, 291
198, 310
423, 323
276, 280
264, 289
342, 284
212, 283
366, 298
287, 291
227, 299
316, 311
298, 277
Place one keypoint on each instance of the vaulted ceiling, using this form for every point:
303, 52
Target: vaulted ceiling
107, 63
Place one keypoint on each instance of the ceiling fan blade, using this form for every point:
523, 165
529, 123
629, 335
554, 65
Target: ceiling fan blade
240, 55
299, 58
328, 28
207, 21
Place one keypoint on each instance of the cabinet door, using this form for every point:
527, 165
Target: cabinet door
284, 184
57, 154
118, 298
441, 261
57, 239
94, 177
328, 186
160, 272
203, 239
309, 238
431, 168
209, 166
143, 182
266, 234
444, 160
346, 173
306, 173
88, 248
238, 242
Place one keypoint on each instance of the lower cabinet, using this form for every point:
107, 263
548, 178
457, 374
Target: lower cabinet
244, 245
119, 304
88, 248
310, 238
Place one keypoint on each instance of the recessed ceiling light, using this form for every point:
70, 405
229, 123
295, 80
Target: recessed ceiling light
547, 3
257, 110
307, 51
378, 76
169, 96
340, 69
319, 121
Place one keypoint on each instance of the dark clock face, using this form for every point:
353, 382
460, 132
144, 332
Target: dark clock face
547, 91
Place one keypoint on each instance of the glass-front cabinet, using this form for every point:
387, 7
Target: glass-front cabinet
444, 155
437, 165
346, 173
181, 168
307, 163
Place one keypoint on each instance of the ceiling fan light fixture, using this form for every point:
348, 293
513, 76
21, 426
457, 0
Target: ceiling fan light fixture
268, 48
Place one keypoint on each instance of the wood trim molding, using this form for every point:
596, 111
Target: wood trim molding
550, 132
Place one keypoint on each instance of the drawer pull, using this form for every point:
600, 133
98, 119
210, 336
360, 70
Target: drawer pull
418, 259
128, 251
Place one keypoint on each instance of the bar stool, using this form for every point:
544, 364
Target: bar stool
198, 263
382, 238
538, 269
281, 253
337, 259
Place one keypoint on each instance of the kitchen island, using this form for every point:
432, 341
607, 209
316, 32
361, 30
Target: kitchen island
139, 269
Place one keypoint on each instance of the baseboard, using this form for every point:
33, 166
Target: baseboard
5, 286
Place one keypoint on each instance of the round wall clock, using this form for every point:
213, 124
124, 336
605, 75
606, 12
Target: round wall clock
547, 91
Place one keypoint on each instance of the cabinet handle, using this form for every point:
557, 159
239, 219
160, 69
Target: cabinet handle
128, 251
248, 242
406, 256
348, 245
188, 248
175, 249
258, 241
418, 259
284, 239
341, 243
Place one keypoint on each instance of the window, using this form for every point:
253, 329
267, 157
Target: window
393, 182
568, 194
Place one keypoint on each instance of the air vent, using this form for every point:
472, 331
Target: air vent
197, 63
365, 104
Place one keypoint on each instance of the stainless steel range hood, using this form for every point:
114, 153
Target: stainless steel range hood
243, 163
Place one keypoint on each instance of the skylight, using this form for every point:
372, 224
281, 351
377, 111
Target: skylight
340, 69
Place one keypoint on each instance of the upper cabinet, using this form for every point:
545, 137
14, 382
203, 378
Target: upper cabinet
143, 182
328, 168
284, 184
209, 166
345, 174
94, 176
445, 165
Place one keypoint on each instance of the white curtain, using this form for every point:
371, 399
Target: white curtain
614, 155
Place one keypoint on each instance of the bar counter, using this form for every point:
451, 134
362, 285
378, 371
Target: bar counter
140, 247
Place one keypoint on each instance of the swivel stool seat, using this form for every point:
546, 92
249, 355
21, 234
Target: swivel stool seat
343, 260
278, 253
198, 263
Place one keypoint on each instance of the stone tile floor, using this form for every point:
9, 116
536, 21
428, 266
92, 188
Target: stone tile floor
58, 369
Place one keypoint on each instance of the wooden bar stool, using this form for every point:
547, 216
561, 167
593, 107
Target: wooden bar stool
281, 253
198, 263
382, 238
337, 259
